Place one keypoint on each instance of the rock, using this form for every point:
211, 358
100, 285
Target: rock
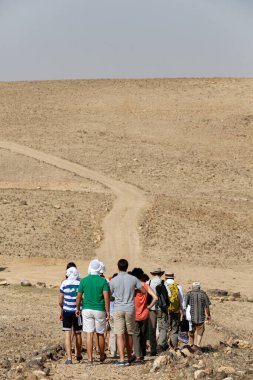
4, 283
227, 370
41, 284
250, 300
200, 365
186, 352
230, 298
199, 374
40, 374
236, 295
228, 378
5, 363
240, 373
218, 292
57, 207
159, 362
35, 363
31, 376
25, 283
23, 203
243, 343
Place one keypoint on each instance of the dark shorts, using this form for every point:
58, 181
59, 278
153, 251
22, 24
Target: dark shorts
69, 320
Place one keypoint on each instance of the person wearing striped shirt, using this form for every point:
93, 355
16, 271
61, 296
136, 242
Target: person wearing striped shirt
67, 302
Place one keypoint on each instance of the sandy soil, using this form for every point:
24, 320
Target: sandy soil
159, 171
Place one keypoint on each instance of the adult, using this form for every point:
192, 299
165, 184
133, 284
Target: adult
67, 303
95, 308
123, 289
158, 316
112, 336
176, 308
142, 314
198, 302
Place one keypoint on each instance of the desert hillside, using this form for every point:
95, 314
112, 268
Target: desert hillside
157, 171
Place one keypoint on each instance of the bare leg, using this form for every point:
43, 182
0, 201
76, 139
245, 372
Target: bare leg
78, 344
129, 345
121, 346
67, 339
89, 344
198, 340
101, 345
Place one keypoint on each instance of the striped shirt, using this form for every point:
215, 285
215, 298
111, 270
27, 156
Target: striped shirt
198, 301
69, 289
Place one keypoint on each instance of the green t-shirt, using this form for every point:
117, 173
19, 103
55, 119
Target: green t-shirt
93, 287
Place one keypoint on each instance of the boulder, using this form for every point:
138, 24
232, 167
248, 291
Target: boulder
159, 362
40, 374
236, 295
218, 292
4, 283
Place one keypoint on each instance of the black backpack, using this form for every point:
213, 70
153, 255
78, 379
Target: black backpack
163, 298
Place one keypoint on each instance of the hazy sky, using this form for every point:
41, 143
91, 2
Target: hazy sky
70, 39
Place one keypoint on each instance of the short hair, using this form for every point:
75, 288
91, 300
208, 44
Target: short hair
71, 265
138, 273
123, 265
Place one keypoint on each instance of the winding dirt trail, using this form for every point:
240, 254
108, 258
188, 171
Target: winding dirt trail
121, 237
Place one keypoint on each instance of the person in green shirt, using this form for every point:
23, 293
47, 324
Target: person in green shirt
94, 291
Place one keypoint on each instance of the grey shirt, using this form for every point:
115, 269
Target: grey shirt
123, 289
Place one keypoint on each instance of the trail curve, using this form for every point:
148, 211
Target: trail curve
120, 226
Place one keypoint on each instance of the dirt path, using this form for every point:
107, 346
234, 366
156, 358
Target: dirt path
120, 225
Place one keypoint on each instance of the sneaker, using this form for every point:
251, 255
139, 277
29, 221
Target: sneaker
133, 359
68, 361
121, 364
102, 358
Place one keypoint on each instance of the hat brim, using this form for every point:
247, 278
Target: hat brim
154, 273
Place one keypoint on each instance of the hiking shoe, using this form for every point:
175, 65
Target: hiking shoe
79, 358
133, 359
153, 353
121, 364
68, 361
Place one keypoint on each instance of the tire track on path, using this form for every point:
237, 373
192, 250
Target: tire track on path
120, 226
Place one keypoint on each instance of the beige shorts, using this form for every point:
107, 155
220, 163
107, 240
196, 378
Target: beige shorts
198, 328
94, 321
124, 322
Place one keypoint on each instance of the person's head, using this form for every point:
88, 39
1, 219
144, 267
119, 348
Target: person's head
95, 267
196, 285
145, 277
72, 273
122, 265
71, 265
157, 272
138, 273
169, 276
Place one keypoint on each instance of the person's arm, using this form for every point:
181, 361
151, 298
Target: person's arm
106, 294
61, 301
153, 295
208, 313
78, 303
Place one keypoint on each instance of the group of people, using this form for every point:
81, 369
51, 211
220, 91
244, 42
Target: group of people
131, 308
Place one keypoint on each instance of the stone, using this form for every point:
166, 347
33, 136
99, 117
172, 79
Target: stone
230, 298
35, 363
236, 295
199, 374
227, 370
4, 283
186, 352
240, 373
159, 362
41, 284
25, 283
39, 374
218, 292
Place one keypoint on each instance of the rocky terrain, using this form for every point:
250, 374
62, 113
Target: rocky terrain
186, 147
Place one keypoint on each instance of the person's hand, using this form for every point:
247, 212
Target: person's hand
107, 315
209, 318
61, 317
78, 313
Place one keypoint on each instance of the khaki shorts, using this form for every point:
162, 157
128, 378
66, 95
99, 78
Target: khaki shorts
199, 328
124, 322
